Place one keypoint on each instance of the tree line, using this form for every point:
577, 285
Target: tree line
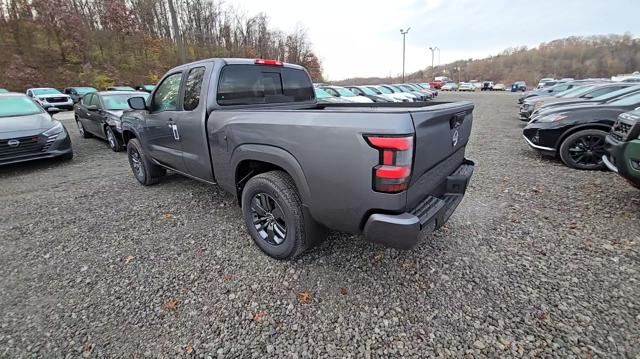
101, 43
575, 57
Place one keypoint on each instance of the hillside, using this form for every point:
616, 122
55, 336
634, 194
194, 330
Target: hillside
104, 42
576, 57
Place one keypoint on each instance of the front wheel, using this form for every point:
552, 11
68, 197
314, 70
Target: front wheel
584, 149
275, 218
145, 171
115, 143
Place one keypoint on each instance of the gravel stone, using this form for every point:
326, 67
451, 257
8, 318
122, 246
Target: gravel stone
539, 260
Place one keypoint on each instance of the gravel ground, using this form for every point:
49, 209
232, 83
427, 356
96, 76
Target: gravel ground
539, 260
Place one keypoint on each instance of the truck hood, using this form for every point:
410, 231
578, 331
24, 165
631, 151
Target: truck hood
19, 126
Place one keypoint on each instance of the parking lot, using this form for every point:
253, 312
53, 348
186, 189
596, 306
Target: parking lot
538, 260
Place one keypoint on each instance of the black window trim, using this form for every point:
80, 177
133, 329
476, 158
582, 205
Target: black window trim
183, 85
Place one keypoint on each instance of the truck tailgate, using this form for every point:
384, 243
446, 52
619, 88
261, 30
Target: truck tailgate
441, 134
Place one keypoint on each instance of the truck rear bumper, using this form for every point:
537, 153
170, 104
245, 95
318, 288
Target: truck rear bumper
403, 230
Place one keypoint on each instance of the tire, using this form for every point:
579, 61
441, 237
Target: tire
145, 171
584, 149
83, 132
281, 231
115, 143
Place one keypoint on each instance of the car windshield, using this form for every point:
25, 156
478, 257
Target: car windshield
406, 88
576, 91
384, 90
84, 90
632, 99
397, 89
149, 87
367, 91
615, 94
4, 90
344, 92
11, 106
390, 89
320, 93
119, 102
123, 88
46, 91
375, 90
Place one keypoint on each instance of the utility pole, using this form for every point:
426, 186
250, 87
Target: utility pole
404, 35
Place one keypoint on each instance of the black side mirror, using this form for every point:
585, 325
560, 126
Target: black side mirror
137, 103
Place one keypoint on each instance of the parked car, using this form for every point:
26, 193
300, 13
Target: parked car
549, 91
365, 92
519, 86
324, 97
99, 115
428, 87
586, 92
145, 88
120, 88
76, 93
297, 168
563, 106
487, 86
28, 132
50, 97
437, 84
396, 90
465, 86
449, 86
342, 92
476, 84
546, 82
3, 90
430, 94
622, 145
577, 135
420, 96
395, 97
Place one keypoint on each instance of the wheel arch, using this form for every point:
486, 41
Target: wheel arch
586, 126
250, 160
127, 135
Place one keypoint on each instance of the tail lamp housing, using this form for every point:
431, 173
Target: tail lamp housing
393, 172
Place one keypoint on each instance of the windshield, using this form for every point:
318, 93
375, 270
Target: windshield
615, 94
367, 91
576, 91
85, 90
344, 92
3, 90
320, 93
119, 102
406, 87
375, 90
11, 106
627, 100
47, 91
123, 88
149, 87
396, 88
384, 90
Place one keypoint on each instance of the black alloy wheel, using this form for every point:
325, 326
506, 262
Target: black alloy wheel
268, 219
584, 150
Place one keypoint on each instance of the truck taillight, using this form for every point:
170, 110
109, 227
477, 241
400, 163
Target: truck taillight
393, 171
269, 62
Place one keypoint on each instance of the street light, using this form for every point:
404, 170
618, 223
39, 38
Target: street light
433, 50
404, 35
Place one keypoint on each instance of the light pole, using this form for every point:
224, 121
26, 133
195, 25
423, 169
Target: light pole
438, 56
433, 50
404, 35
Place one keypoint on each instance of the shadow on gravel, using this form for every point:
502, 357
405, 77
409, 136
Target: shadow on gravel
32, 166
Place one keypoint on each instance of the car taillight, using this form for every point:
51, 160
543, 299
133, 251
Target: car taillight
393, 171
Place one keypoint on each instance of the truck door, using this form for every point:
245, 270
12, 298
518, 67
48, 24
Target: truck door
163, 141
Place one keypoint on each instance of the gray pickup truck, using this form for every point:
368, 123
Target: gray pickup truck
388, 171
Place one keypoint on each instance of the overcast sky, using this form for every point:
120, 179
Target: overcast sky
361, 38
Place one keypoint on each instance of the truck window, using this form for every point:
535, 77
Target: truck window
166, 96
251, 84
192, 88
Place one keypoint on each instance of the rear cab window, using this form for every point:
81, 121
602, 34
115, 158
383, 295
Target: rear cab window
255, 84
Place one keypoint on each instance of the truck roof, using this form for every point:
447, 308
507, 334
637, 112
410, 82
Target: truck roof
231, 61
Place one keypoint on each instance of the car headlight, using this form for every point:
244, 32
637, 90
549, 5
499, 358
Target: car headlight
56, 129
42, 99
552, 118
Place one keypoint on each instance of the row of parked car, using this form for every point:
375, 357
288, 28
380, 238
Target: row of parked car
408, 92
590, 124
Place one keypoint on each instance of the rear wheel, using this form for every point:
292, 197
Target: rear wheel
584, 149
275, 218
81, 129
145, 171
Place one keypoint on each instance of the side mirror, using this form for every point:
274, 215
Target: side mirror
53, 110
137, 103
92, 108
